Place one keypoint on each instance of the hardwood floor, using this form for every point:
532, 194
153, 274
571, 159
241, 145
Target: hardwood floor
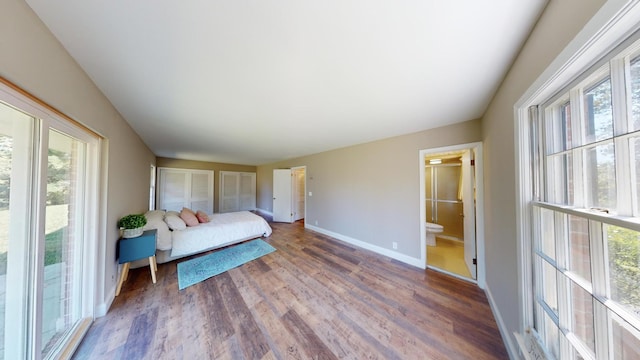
313, 298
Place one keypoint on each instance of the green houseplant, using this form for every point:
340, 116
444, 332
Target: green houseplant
132, 225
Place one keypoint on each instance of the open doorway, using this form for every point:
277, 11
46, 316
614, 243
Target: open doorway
298, 193
289, 189
451, 224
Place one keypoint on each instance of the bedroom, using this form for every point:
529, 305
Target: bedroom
24, 38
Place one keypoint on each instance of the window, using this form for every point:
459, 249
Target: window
48, 217
152, 187
586, 214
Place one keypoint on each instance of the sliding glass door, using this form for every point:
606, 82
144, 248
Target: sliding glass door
16, 151
48, 212
64, 238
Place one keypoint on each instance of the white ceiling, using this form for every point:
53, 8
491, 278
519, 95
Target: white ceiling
256, 81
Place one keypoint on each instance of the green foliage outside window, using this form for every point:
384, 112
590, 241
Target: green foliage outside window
624, 266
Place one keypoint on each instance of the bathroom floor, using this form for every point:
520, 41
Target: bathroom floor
448, 255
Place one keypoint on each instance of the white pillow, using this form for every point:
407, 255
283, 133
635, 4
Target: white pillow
171, 212
154, 214
164, 235
175, 222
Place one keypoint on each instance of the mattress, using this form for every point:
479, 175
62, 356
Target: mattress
222, 229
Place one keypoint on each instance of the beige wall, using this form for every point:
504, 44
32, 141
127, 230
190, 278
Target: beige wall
369, 192
204, 165
558, 25
34, 60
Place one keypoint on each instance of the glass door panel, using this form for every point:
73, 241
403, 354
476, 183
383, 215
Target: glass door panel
63, 239
16, 149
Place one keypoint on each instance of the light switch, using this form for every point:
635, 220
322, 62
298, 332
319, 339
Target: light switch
310, 193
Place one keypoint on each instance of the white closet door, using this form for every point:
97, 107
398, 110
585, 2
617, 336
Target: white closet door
237, 191
201, 191
173, 189
185, 188
229, 192
247, 191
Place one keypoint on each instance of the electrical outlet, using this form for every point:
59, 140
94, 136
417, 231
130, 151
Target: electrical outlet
395, 245
316, 222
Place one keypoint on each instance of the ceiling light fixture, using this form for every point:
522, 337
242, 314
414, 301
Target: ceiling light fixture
435, 161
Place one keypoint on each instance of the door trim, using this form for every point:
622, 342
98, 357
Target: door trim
480, 250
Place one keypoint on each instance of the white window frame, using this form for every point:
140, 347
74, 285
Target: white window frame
152, 187
611, 25
25, 319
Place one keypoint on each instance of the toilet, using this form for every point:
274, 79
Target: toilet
432, 230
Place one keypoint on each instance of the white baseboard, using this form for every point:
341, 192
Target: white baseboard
265, 212
377, 249
103, 308
506, 338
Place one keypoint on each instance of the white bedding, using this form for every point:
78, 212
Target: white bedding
222, 229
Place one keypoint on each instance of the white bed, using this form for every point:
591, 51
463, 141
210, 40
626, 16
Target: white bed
221, 230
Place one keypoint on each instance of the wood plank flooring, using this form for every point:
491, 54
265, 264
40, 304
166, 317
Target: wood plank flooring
313, 298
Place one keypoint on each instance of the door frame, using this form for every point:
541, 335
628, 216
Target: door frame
476, 147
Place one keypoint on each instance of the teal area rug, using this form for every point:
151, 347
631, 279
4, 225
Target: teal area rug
193, 271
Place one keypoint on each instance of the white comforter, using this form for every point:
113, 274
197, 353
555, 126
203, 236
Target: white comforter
223, 229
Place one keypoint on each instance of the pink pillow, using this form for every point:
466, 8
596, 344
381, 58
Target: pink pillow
188, 217
202, 216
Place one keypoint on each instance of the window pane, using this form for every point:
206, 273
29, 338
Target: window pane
551, 333
6, 151
598, 118
549, 286
548, 242
15, 151
582, 304
600, 176
559, 130
635, 94
579, 252
559, 179
624, 267
634, 152
63, 238
626, 339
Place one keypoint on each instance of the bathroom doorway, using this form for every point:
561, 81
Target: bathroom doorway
450, 203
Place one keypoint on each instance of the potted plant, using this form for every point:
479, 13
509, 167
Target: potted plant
132, 225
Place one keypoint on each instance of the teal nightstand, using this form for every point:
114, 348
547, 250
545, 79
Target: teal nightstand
131, 249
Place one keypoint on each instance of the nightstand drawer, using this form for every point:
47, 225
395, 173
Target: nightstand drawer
140, 247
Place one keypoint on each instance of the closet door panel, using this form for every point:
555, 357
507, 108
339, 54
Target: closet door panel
180, 188
173, 190
237, 191
201, 191
247, 191
228, 191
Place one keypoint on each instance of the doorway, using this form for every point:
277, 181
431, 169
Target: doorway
298, 191
451, 235
289, 189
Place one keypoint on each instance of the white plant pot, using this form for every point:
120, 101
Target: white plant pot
131, 233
